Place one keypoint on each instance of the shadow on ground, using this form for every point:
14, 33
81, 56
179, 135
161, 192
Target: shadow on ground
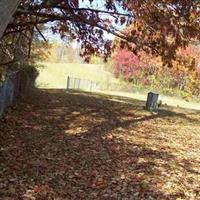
76, 145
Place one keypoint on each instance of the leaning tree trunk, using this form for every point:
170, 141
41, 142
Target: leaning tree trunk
7, 9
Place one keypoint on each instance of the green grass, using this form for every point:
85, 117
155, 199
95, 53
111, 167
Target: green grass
54, 75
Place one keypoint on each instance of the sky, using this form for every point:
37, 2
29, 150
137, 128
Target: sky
98, 4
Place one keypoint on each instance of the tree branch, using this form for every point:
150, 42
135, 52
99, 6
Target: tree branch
8, 63
40, 33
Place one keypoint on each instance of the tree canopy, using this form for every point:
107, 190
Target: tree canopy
159, 27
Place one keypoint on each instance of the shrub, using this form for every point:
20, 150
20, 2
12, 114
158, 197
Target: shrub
147, 71
29, 73
126, 63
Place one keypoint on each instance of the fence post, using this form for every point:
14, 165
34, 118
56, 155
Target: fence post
3, 95
1, 98
74, 83
91, 86
9, 90
79, 81
68, 79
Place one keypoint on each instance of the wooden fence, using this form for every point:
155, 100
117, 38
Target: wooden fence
81, 84
9, 90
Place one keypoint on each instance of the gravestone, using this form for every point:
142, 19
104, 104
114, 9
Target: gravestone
152, 101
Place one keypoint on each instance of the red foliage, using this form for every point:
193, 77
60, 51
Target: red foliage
126, 63
146, 69
198, 70
189, 51
129, 65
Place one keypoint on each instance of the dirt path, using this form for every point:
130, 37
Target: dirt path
61, 146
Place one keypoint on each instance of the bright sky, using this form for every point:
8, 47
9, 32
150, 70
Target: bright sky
99, 4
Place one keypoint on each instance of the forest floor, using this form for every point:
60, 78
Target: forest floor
72, 145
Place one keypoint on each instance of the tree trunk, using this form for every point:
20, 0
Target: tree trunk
7, 9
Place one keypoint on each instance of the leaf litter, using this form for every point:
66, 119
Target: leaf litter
59, 145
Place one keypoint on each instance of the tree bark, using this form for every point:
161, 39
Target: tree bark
7, 9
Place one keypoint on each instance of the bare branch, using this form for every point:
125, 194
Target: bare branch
8, 63
43, 37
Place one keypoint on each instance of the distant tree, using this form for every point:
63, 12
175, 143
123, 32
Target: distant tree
95, 59
126, 64
64, 53
148, 70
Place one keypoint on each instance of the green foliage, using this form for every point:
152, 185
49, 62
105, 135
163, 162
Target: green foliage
29, 73
96, 60
31, 70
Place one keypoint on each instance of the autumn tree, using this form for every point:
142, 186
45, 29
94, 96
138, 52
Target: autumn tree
63, 53
147, 70
126, 64
156, 26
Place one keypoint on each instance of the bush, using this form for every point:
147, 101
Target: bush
126, 63
29, 73
146, 71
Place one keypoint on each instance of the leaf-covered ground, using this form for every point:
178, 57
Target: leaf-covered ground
57, 145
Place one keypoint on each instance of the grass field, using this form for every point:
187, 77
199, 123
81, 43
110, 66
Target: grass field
54, 75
